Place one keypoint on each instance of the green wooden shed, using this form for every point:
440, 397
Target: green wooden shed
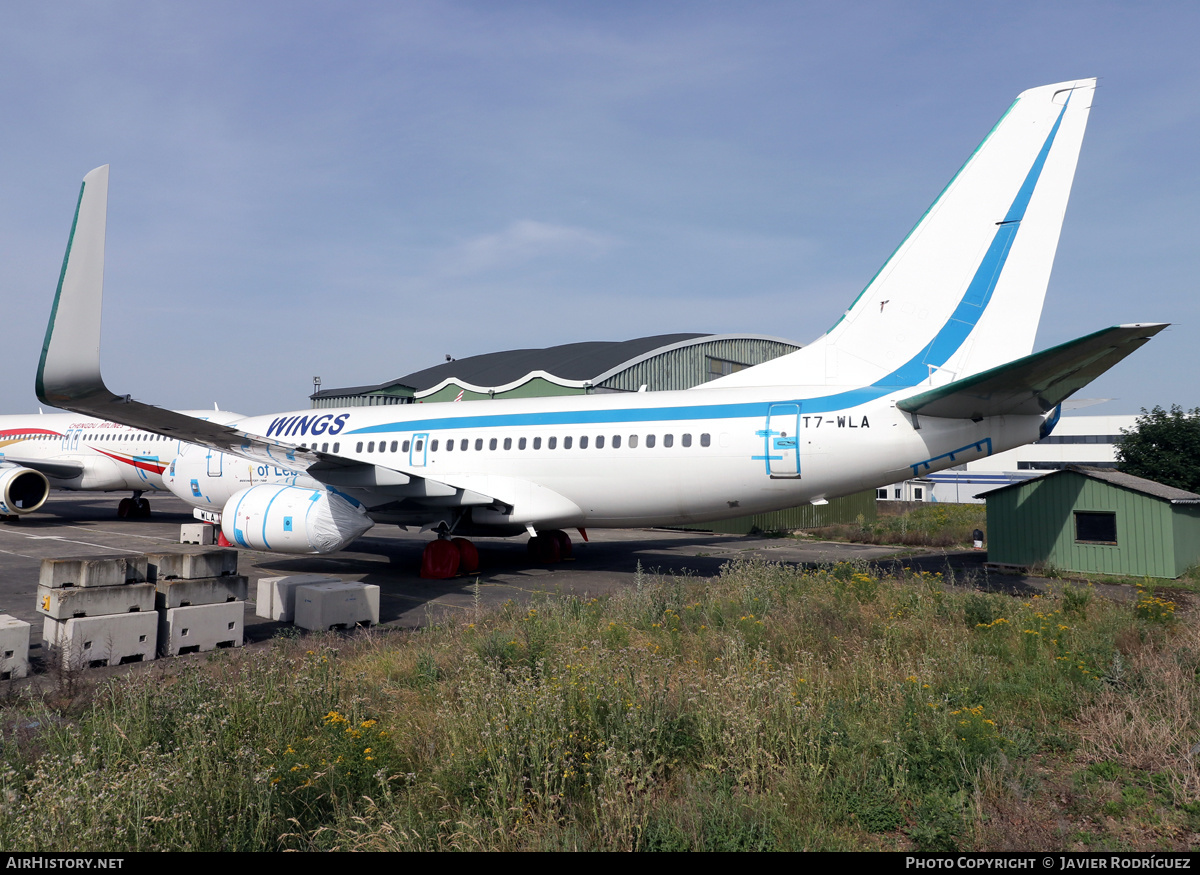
1094, 520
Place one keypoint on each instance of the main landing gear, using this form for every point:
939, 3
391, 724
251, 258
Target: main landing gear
135, 508
446, 557
550, 546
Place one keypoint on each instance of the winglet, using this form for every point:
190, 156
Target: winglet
70, 365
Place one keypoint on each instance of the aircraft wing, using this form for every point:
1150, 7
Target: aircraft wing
57, 470
69, 377
1034, 384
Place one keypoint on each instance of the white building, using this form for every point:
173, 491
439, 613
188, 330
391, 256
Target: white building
1076, 440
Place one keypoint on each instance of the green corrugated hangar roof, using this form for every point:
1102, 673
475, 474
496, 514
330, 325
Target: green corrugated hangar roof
658, 362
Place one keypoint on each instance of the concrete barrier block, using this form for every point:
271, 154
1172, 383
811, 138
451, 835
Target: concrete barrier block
206, 591
87, 642
200, 628
14, 647
202, 534
93, 571
277, 595
186, 562
322, 606
65, 602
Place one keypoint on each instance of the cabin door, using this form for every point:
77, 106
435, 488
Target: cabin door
781, 439
418, 448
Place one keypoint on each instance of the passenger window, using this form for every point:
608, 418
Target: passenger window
705, 440
371, 447
583, 441
687, 440
649, 440
668, 440
616, 442
449, 446
537, 443
567, 442
552, 443
433, 446
393, 446
337, 446
479, 443
358, 449
599, 441
633, 442
492, 444
521, 444
508, 443
420, 446
324, 448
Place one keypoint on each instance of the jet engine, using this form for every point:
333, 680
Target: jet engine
292, 519
22, 490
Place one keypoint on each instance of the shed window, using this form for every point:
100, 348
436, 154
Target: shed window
1095, 528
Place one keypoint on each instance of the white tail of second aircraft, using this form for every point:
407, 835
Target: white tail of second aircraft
963, 292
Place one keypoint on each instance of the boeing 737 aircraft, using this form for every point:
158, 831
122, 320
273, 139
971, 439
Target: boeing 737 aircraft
929, 367
67, 451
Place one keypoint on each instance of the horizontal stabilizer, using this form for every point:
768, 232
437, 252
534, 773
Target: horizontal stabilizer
1035, 384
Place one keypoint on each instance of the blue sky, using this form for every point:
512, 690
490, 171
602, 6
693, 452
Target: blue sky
355, 190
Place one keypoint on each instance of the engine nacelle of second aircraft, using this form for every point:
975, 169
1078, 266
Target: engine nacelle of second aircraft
22, 490
292, 519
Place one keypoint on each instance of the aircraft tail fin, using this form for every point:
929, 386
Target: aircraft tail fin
963, 291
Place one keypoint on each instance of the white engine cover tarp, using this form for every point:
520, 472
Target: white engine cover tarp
292, 519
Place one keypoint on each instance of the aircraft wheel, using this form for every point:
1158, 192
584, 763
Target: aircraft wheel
440, 560
125, 509
544, 548
142, 510
564, 543
468, 556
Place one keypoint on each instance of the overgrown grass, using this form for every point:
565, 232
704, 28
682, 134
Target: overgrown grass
926, 525
769, 708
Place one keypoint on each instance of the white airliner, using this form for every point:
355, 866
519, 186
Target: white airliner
68, 451
929, 367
